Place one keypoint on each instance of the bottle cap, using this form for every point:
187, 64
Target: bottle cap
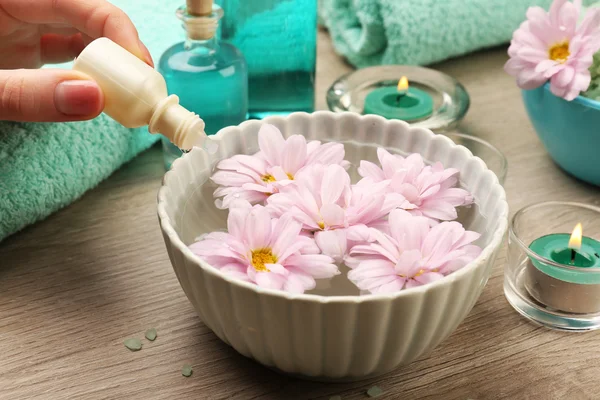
199, 7
200, 27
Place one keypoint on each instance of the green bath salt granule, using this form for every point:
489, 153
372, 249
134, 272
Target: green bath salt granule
187, 371
133, 344
375, 391
151, 334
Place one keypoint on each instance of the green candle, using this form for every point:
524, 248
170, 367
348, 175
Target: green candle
555, 247
407, 104
573, 284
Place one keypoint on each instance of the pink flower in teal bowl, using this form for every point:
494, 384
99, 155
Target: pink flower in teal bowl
557, 46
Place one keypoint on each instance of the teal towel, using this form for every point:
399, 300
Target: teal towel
44, 167
419, 32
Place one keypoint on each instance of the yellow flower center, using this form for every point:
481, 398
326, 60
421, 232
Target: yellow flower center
321, 225
260, 257
421, 272
268, 178
560, 52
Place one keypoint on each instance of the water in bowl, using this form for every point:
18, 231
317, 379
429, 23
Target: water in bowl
201, 216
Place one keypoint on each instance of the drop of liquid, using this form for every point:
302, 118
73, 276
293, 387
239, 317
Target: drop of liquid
209, 145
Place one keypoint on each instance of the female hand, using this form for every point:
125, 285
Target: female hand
38, 32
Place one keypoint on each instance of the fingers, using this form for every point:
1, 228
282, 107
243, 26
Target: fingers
57, 29
48, 95
95, 18
55, 49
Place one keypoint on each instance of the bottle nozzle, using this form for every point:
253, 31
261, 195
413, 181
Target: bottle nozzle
182, 127
209, 145
195, 136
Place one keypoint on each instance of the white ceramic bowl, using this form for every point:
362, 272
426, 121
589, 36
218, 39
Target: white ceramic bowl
328, 337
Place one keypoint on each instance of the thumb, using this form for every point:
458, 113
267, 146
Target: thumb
48, 95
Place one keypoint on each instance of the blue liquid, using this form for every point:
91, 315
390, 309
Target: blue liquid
294, 91
279, 40
211, 79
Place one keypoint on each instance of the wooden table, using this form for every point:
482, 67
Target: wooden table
74, 286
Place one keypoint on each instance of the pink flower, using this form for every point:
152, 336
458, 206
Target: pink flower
272, 253
553, 46
255, 178
428, 190
413, 254
323, 200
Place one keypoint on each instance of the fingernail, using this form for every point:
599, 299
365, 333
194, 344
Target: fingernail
147, 55
78, 98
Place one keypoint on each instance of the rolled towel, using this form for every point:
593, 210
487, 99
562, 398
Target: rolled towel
420, 32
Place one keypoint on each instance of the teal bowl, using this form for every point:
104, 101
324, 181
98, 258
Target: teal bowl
569, 130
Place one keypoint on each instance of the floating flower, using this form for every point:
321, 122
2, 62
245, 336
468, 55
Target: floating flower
552, 45
326, 204
429, 191
272, 253
255, 178
413, 254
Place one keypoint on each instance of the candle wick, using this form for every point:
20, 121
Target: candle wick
399, 97
572, 256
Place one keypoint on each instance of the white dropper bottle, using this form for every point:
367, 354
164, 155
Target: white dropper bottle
136, 95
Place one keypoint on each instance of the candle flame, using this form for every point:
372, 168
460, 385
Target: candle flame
403, 84
575, 240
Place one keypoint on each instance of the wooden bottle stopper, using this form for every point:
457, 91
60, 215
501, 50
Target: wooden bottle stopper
199, 7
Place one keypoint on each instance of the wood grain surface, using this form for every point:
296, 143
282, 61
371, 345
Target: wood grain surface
74, 286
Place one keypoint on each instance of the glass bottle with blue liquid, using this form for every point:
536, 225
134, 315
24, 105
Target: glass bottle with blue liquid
208, 75
279, 41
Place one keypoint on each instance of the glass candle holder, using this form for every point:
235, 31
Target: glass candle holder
432, 100
491, 156
552, 275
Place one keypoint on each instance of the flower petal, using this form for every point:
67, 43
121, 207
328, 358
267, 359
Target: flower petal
564, 77
335, 181
368, 169
294, 284
271, 143
270, 280
591, 23
429, 277
333, 215
230, 178
285, 235
327, 154
258, 228
236, 221
568, 18
409, 231
319, 266
294, 154
394, 286
332, 243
